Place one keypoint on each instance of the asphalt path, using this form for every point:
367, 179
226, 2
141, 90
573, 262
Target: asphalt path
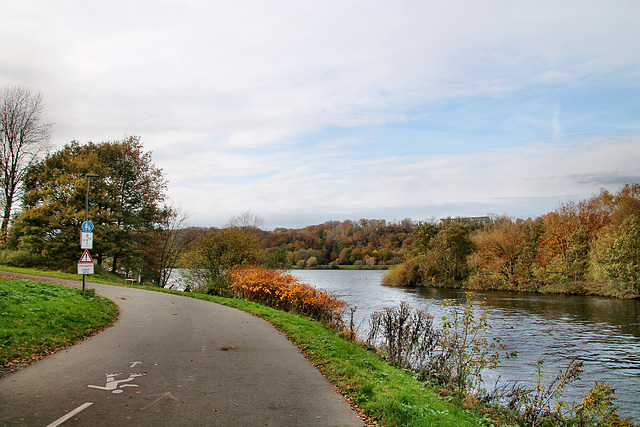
173, 360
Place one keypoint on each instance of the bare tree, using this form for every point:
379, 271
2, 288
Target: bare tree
24, 138
246, 221
173, 241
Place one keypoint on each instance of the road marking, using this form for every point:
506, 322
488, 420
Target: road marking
114, 386
70, 414
163, 395
133, 364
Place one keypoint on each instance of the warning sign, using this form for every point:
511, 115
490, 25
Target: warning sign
85, 265
86, 257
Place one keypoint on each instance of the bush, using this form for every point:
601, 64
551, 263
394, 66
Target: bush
408, 336
21, 259
278, 289
464, 349
454, 356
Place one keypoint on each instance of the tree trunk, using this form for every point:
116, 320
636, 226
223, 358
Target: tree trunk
5, 222
114, 267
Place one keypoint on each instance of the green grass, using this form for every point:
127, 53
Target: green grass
37, 319
109, 279
387, 394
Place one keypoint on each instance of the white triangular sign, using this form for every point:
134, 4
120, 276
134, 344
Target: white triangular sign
86, 257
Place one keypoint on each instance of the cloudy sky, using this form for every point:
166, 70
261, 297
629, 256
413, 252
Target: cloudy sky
307, 111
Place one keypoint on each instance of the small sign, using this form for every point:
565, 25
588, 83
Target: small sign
86, 240
86, 257
85, 268
87, 226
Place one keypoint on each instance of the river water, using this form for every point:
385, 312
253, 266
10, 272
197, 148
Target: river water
604, 333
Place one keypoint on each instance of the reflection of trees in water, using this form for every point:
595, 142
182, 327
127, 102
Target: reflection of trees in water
616, 312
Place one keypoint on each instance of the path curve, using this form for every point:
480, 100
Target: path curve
173, 360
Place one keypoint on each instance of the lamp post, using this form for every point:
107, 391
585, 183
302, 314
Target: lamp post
86, 218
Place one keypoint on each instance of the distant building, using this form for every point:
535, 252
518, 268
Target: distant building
471, 220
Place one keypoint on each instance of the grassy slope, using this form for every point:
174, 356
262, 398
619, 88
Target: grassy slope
37, 319
385, 393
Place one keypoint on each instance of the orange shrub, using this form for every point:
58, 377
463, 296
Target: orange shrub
281, 290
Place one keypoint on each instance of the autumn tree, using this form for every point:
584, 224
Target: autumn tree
501, 250
24, 138
127, 203
563, 247
217, 251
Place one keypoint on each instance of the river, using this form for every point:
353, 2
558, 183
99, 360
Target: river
604, 333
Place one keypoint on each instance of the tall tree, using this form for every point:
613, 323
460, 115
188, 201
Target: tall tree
623, 263
212, 254
23, 139
127, 203
501, 248
165, 246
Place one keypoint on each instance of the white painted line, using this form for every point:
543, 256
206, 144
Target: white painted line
70, 414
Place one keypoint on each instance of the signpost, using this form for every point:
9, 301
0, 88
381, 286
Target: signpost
85, 265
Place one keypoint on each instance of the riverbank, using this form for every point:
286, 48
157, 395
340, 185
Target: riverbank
602, 332
399, 276
386, 394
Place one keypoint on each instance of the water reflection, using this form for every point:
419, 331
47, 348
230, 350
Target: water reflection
604, 333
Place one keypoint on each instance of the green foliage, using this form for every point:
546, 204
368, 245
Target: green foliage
127, 204
423, 235
444, 260
109, 279
543, 405
41, 318
22, 258
623, 256
535, 406
464, 348
212, 254
597, 408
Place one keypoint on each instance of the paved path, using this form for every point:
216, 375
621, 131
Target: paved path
170, 361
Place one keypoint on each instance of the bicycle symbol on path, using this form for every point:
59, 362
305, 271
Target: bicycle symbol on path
115, 386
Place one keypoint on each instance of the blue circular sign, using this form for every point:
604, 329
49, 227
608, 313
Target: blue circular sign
87, 226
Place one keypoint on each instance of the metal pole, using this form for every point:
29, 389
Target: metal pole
86, 218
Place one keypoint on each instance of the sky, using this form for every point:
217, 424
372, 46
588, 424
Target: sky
304, 111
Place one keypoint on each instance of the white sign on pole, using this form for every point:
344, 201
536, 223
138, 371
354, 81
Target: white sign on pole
85, 268
86, 240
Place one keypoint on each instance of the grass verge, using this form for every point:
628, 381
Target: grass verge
109, 279
37, 319
388, 395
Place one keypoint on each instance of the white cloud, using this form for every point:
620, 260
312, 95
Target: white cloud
238, 99
528, 180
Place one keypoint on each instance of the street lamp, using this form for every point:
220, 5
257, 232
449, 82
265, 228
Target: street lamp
86, 218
